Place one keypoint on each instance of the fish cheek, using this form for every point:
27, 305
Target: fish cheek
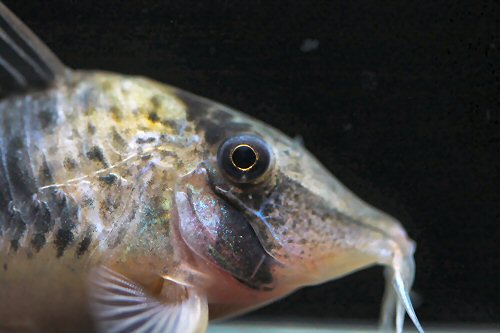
218, 232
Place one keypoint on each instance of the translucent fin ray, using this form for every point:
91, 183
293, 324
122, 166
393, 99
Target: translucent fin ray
26, 63
121, 306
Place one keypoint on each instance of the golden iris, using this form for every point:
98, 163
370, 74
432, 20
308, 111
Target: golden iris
244, 157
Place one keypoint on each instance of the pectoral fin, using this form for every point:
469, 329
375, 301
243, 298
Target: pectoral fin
119, 305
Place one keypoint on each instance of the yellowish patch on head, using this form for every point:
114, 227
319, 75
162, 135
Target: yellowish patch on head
136, 103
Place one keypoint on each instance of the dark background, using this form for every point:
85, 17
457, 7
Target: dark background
400, 100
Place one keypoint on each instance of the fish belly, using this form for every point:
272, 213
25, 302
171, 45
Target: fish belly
43, 294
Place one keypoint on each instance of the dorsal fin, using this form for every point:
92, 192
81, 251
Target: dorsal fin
26, 63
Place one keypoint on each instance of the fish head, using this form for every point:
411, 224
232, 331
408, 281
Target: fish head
261, 207
258, 214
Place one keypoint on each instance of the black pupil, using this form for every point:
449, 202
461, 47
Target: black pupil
244, 157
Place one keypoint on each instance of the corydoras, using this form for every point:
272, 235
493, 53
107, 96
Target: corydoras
127, 205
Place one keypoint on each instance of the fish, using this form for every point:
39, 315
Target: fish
128, 205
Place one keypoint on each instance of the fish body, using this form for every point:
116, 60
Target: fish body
127, 205
76, 182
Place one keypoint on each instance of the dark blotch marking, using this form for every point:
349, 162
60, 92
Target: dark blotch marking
153, 116
42, 215
60, 199
217, 124
145, 140
87, 201
146, 157
235, 127
96, 154
5, 267
217, 131
19, 169
64, 238
46, 118
42, 224
84, 244
197, 111
118, 140
70, 163
177, 126
14, 244
222, 116
196, 107
91, 129
68, 218
213, 131
5, 196
156, 101
179, 164
45, 174
109, 179
168, 153
116, 113
16, 143
108, 206
18, 227
38, 242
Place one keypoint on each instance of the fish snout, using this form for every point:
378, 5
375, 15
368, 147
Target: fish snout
330, 233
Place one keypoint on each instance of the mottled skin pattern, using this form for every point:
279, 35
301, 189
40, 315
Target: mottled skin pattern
88, 169
121, 171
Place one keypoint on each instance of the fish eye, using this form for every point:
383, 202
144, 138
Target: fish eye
244, 158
